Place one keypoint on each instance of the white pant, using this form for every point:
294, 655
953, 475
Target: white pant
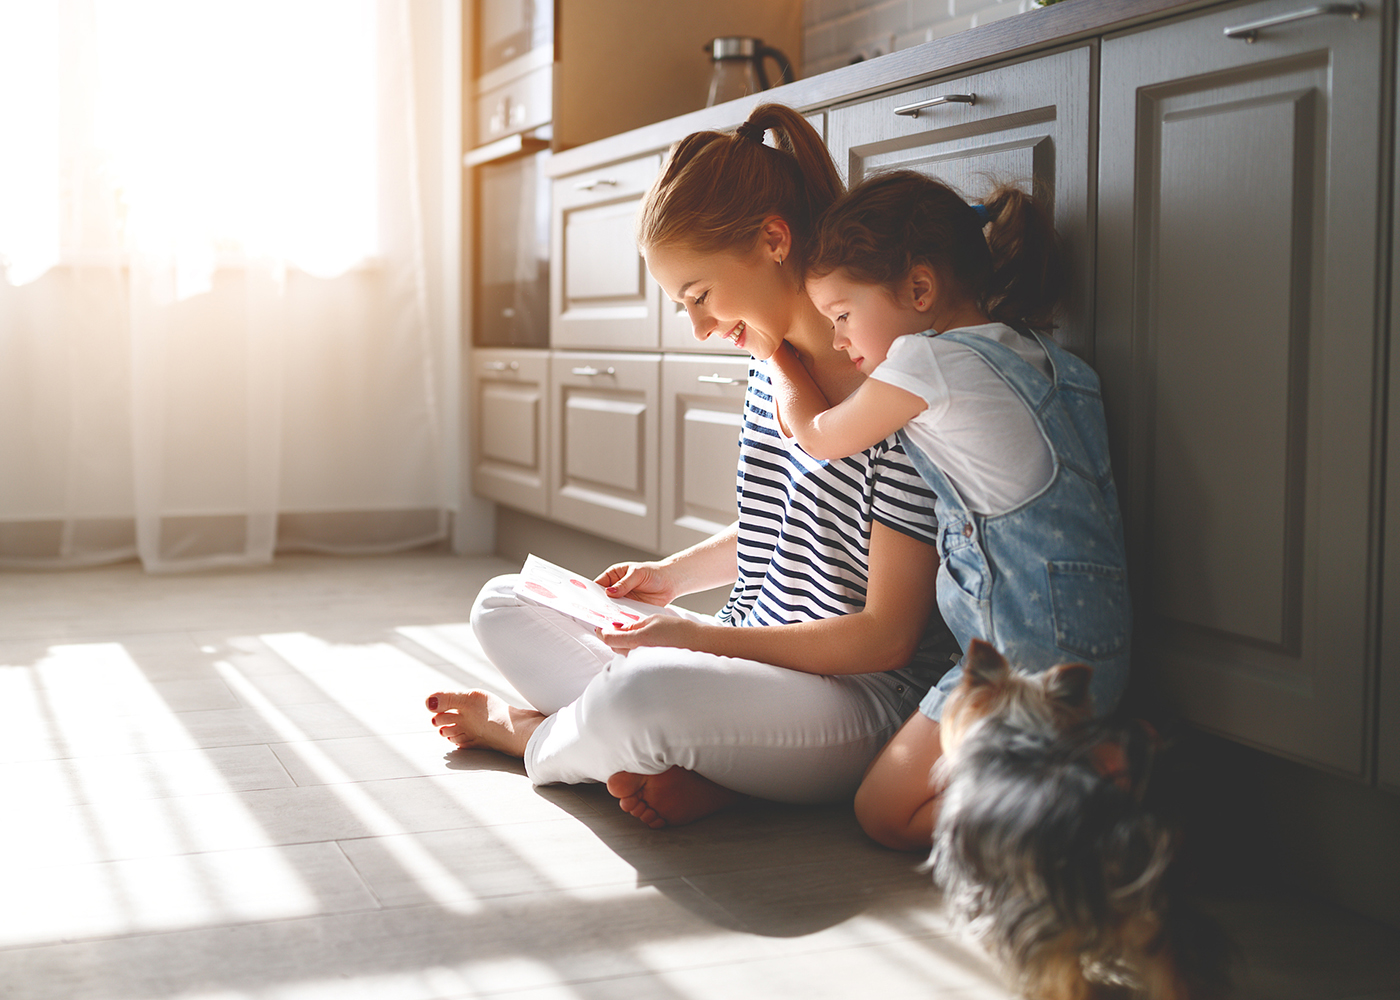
755, 728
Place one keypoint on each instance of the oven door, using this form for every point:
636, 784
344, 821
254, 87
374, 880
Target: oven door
511, 281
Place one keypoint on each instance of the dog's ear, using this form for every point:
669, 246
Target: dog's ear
1068, 684
984, 665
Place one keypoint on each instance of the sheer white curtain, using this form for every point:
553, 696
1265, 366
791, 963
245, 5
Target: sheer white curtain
214, 331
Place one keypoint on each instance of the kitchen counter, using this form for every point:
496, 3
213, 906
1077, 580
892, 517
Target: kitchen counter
1061, 23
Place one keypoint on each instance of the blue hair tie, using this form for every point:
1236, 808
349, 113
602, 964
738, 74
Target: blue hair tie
982, 213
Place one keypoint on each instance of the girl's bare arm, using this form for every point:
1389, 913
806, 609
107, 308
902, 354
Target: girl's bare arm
870, 414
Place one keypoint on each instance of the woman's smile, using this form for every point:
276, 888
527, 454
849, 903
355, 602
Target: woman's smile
716, 289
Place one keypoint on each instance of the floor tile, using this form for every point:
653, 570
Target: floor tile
127, 777
260, 811
176, 891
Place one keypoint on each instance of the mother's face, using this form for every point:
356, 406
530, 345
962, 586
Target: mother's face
745, 297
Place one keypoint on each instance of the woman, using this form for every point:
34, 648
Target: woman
828, 640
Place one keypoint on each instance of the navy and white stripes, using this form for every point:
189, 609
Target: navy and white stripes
804, 524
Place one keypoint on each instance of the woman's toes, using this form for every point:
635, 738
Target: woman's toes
455, 701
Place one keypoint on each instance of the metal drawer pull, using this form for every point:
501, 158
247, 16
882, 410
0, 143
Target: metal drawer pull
501, 366
1249, 32
591, 371
717, 379
597, 182
912, 110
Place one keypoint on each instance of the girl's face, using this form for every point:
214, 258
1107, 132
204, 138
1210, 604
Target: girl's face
745, 297
866, 319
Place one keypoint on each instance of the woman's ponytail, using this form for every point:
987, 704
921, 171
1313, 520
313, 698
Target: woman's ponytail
718, 187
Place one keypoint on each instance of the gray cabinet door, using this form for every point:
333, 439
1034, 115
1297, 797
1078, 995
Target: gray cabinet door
600, 294
1388, 732
1236, 336
702, 416
606, 421
510, 427
1028, 123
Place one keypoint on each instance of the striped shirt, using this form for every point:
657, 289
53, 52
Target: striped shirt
804, 523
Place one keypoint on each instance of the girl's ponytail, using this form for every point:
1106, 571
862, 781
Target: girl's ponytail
1030, 268
718, 187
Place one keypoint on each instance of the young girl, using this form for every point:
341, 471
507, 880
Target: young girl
1005, 427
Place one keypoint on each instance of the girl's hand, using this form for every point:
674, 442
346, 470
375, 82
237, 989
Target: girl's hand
786, 359
658, 630
648, 582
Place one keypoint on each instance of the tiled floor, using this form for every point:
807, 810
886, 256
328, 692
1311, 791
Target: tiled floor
224, 786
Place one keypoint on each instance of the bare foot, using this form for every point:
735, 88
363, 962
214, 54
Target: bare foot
672, 798
479, 720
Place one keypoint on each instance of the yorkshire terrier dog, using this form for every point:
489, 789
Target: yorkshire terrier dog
1045, 851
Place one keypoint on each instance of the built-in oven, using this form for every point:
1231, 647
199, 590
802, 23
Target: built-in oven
514, 110
512, 251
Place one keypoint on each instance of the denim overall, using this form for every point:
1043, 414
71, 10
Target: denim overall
1045, 583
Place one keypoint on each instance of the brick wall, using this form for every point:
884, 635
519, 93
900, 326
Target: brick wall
838, 32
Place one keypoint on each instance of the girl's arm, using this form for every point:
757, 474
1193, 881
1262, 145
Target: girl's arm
883, 635
870, 414
711, 563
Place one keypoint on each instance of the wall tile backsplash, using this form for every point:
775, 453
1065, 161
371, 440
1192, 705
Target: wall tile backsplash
839, 32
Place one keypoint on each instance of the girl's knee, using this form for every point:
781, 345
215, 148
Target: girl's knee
890, 823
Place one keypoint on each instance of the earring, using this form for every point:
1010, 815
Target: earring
780, 261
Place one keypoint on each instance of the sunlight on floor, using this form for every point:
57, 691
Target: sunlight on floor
67, 886
437, 883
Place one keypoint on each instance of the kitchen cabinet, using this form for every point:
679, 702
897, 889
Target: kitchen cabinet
702, 416
1030, 123
1237, 335
1388, 730
510, 447
600, 293
605, 475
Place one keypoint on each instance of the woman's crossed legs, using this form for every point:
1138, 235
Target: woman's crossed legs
676, 734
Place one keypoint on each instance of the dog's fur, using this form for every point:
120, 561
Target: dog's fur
1043, 847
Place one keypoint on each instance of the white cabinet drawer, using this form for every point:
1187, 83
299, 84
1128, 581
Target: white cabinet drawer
606, 426
702, 417
510, 427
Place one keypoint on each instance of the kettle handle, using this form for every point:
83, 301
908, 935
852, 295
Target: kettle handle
785, 73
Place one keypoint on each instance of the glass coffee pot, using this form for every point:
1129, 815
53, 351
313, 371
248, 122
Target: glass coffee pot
738, 68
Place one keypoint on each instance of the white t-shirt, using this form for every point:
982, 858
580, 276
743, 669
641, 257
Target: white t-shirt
976, 429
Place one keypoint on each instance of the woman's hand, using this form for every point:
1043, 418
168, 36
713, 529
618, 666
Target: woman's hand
649, 582
658, 630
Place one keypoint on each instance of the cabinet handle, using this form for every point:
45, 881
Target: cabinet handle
590, 371
912, 110
501, 366
717, 379
1249, 32
597, 182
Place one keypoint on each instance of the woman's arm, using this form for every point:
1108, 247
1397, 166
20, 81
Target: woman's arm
711, 563
870, 414
883, 635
